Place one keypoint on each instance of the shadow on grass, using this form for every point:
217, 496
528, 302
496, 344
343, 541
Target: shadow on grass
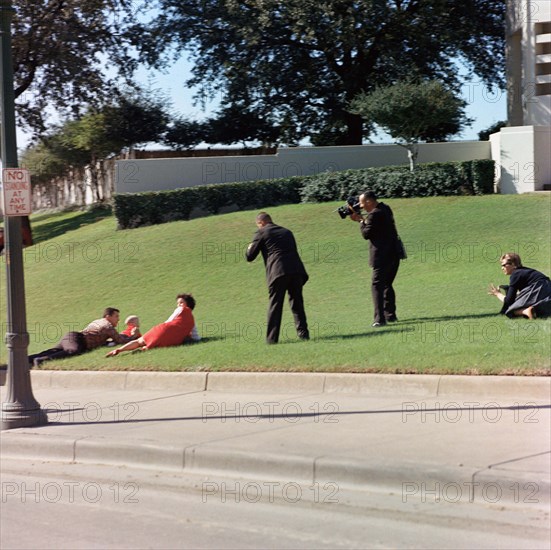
57, 227
401, 326
447, 318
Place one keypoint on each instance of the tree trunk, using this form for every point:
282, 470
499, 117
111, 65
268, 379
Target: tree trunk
413, 151
355, 129
94, 179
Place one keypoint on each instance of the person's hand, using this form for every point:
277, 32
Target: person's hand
356, 217
135, 331
493, 290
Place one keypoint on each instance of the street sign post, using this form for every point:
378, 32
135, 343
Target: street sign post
16, 192
19, 408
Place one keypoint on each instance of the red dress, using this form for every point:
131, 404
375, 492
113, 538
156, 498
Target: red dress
171, 333
128, 331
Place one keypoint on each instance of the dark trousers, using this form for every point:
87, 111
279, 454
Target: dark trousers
293, 285
384, 299
73, 343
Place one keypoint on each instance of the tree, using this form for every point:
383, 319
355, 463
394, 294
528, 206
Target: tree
43, 163
303, 61
413, 111
61, 50
484, 135
184, 133
236, 123
135, 118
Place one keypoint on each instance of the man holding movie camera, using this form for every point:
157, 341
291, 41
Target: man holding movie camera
385, 253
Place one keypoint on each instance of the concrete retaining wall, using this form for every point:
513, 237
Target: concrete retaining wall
136, 176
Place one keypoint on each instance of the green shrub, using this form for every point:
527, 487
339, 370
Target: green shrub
475, 177
138, 209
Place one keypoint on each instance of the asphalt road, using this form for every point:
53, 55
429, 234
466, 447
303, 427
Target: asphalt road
53, 505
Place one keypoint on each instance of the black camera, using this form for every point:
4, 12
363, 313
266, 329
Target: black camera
352, 205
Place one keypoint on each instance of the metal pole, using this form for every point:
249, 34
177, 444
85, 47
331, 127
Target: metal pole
20, 408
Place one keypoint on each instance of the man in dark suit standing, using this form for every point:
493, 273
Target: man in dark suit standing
384, 257
284, 273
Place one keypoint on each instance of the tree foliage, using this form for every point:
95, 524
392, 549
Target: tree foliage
136, 117
484, 135
237, 123
61, 50
413, 111
299, 63
132, 119
184, 133
44, 163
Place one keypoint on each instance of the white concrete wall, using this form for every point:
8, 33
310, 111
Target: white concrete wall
495, 145
524, 158
136, 176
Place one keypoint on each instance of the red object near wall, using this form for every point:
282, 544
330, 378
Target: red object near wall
26, 233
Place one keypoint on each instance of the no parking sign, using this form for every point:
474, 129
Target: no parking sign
16, 192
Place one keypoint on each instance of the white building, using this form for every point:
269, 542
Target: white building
523, 149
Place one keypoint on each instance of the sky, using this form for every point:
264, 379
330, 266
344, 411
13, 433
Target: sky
485, 106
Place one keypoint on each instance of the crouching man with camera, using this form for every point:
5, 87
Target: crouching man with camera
384, 254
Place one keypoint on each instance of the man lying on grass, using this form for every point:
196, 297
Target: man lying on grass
96, 334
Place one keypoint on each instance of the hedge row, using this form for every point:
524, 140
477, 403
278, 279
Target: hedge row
137, 209
473, 177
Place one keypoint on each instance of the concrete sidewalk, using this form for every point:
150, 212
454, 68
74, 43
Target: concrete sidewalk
481, 439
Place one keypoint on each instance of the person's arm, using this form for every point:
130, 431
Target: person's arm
506, 299
511, 295
366, 226
119, 338
494, 291
175, 314
255, 247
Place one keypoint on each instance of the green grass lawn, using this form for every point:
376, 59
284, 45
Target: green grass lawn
448, 324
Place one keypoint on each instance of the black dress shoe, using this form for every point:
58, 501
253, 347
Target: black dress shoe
375, 325
392, 319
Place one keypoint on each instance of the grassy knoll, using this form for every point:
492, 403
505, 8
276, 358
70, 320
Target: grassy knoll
448, 324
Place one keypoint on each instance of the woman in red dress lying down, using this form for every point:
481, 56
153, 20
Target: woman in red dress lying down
169, 333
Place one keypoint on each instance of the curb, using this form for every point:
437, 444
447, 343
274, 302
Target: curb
411, 480
423, 385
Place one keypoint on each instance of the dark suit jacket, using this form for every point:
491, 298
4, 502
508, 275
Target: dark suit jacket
279, 250
521, 278
380, 229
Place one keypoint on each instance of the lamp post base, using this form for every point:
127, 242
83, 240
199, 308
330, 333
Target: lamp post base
12, 418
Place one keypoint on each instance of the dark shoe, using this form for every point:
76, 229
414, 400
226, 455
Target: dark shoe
392, 319
376, 325
304, 337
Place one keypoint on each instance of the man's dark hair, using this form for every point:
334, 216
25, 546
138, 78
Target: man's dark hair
188, 299
370, 195
264, 217
108, 311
